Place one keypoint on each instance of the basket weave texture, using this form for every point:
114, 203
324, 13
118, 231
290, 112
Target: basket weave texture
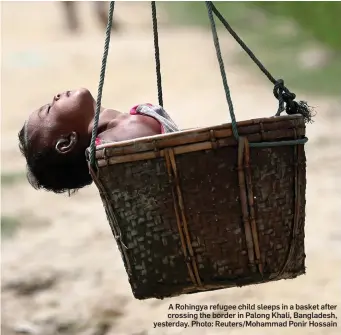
198, 210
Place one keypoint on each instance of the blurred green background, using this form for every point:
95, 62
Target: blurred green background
321, 18
297, 41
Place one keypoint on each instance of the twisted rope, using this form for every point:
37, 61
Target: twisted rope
285, 97
241, 43
222, 68
157, 54
101, 83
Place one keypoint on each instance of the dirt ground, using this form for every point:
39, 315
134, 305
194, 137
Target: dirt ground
62, 272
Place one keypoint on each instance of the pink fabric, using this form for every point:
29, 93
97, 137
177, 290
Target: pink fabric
98, 141
133, 111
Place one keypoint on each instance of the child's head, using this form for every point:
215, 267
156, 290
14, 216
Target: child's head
54, 139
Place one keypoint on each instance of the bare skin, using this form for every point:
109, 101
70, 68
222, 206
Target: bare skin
67, 121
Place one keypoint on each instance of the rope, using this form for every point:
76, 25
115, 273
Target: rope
101, 82
242, 44
157, 54
285, 97
222, 68
277, 89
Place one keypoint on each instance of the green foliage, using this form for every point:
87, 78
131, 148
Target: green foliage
9, 226
321, 18
272, 31
195, 12
10, 178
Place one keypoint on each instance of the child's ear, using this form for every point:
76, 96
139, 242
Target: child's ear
67, 143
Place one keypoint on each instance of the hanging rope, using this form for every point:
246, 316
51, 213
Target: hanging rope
222, 69
285, 97
101, 82
157, 54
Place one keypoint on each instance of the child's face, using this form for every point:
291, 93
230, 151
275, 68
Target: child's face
70, 111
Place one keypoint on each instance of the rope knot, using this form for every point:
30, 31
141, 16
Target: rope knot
287, 103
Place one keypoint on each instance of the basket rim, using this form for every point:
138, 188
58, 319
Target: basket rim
186, 132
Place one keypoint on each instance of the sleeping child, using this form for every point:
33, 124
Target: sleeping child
55, 137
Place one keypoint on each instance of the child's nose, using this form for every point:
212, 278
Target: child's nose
57, 97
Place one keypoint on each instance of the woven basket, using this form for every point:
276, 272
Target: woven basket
196, 210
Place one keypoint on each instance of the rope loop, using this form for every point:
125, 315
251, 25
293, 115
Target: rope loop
283, 95
286, 99
287, 103
281, 90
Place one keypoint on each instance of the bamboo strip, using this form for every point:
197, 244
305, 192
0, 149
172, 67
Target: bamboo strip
278, 135
243, 202
178, 221
251, 205
183, 216
196, 135
298, 154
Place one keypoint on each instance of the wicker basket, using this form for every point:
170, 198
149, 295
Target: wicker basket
196, 210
